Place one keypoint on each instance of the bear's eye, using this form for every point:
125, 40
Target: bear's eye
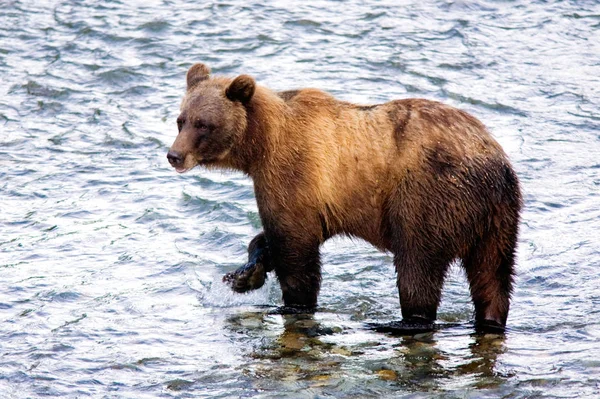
201, 125
179, 124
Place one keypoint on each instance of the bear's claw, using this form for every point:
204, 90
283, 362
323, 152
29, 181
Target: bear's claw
409, 326
489, 327
283, 310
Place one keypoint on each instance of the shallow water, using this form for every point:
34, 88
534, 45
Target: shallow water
110, 263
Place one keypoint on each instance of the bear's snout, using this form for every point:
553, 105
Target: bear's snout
175, 159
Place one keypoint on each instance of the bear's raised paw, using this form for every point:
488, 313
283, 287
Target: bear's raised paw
249, 277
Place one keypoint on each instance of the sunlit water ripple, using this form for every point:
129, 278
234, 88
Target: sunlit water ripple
110, 263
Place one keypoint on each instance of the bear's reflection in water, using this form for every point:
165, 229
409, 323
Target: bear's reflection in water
301, 351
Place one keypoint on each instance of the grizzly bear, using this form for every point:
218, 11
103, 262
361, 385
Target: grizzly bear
420, 179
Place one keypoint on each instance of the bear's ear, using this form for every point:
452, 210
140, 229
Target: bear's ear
241, 89
196, 74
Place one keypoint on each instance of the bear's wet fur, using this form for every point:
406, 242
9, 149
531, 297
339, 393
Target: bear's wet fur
420, 179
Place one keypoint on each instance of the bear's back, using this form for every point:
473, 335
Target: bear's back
355, 157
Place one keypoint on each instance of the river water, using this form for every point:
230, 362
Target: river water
111, 263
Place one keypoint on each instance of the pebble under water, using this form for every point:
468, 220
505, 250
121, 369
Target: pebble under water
111, 263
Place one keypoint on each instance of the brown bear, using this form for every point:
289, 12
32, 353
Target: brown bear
420, 179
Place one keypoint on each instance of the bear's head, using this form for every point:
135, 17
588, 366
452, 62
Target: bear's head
212, 121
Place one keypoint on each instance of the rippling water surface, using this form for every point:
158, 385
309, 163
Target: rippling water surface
110, 263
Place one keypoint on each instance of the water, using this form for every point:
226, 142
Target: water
110, 263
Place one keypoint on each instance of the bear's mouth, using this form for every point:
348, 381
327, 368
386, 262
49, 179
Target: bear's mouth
189, 163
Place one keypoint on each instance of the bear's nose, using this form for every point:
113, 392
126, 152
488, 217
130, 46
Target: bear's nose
175, 159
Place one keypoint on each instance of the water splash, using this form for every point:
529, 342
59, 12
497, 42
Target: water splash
216, 293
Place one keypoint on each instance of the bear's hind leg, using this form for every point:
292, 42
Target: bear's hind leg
490, 271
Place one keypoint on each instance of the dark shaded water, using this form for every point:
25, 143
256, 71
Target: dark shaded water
110, 263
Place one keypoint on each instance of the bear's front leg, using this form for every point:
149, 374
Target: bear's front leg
252, 275
297, 264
